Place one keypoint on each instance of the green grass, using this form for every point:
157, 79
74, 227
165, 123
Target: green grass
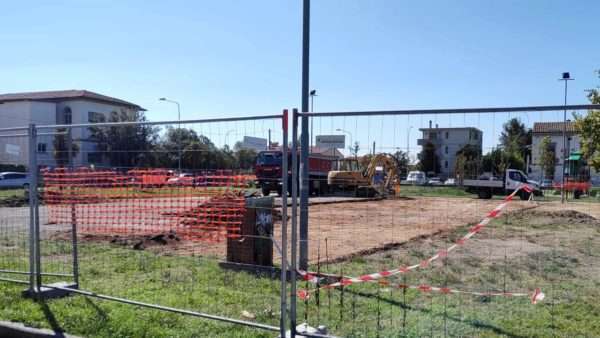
6, 193
561, 259
433, 191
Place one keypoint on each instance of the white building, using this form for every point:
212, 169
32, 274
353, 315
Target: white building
55, 107
555, 131
447, 142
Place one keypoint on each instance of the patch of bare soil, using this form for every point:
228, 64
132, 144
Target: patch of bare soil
564, 216
338, 231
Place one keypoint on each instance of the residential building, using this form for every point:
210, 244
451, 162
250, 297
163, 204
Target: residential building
554, 130
55, 107
447, 142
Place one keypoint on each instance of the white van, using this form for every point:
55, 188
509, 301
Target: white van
416, 178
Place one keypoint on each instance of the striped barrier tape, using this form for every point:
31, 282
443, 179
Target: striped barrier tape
346, 281
535, 297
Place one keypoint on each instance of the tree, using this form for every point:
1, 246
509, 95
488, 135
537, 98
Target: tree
468, 160
588, 128
428, 159
547, 157
498, 160
402, 161
354, 149
128, 145
60, 152
245, 158
516, 138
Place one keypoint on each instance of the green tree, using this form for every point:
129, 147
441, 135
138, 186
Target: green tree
354, 149
516, 138
128, 145
588, 128
245, 158
60, 152
498, 160
547, 157
428, 159
468, 160
402, 161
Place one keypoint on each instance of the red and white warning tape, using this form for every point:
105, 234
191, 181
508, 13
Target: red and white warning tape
345, 281
536, 296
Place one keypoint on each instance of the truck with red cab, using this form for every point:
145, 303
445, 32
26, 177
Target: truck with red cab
268, 172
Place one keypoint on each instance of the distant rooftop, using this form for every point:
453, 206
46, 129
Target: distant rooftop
58, 95
449, 128
552, 127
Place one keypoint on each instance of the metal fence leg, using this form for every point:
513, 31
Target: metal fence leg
74, 248
32, 144
294, 259
304, 192
35, 270
284, 191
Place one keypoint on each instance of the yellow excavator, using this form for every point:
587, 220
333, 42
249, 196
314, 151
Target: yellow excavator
380, 177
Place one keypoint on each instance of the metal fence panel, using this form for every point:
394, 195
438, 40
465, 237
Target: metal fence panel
424, 258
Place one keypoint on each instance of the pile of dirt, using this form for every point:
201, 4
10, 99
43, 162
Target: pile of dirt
557, 216
144, 242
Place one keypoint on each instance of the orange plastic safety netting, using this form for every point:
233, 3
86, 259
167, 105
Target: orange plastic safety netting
207, 206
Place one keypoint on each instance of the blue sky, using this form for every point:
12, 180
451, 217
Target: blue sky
231, 58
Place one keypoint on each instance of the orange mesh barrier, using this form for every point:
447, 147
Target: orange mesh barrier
209, 206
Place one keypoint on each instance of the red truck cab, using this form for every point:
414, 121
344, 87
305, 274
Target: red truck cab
268, 172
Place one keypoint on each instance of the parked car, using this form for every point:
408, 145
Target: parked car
450, 182
416, 178
435, 181
187, 180
547, 184
14, 180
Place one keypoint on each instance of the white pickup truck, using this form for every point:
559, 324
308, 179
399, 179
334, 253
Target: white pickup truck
488, 185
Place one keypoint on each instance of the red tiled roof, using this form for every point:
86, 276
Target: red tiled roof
552, 127
57, 95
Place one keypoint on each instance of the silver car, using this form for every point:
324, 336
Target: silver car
14, 180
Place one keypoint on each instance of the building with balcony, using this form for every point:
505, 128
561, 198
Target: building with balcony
447, 142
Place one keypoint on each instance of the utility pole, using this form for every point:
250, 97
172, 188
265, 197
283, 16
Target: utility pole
178, 130
304, 137
566, 77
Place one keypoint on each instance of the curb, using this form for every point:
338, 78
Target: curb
18, 330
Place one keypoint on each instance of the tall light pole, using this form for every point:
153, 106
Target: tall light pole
408, 144
566, 77
227, 135
312, 94
178, 130
349, 134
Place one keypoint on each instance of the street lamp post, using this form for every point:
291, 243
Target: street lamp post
178, 131
227, 135
408, 143
349, 133
312, 94
566, 77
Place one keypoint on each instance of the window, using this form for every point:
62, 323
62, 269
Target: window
447, 134
446, 164
432, 136
446, 149
94, 117
67, 116
94, 158
516, 176
14, 176
41, 147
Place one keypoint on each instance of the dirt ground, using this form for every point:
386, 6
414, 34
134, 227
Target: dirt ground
341, 230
